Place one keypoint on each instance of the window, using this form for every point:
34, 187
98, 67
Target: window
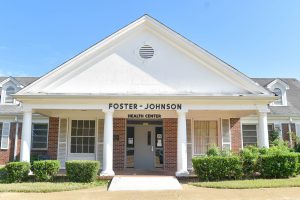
83, 136
226, 141
249, 135
205, 136
9, 91
278, 93
4, 135
39, 136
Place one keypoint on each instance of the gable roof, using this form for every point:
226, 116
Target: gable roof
212, 62
24, 81
293, 96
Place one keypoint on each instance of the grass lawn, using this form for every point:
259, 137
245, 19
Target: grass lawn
246, 184
48, 186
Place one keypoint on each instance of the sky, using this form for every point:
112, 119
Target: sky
261, 38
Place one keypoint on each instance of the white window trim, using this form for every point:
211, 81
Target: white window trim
69, 139
3, 137
242, 132
39, 149
221, 128
193, 132
283, 87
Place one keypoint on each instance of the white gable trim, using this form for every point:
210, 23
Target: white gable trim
17, 83
149, 23
278, 81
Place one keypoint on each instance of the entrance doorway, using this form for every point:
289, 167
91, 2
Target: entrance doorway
144, 145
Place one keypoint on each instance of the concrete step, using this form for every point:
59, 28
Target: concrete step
144, 183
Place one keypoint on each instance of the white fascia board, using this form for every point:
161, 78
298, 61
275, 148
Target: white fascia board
254, 99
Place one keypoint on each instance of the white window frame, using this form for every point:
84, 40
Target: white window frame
229, 129
32, 136
242, 132
5, 137
193, 132
6, 95
79, 155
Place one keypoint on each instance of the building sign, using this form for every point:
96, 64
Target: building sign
151, 106
144, 116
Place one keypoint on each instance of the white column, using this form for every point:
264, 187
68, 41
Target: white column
181, 145
107, 169
26, 136
263, 136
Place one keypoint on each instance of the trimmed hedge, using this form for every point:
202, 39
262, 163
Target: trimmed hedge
17, 171
211, 168
298, 167
45, 170
278, 165
82, 170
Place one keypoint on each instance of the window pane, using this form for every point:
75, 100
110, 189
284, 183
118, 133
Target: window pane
39, 145
73, 148
249, 135
205, 136
92, 132
225, 131
83, 136
79, 132
74, 123
80, 124
73, 132
39, 136
86, 124
92, 124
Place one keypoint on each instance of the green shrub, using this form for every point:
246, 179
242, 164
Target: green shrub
214, 151
249, 156
45, 170
82, 170
17, 171
210, 168
273, 137
3, 174
278, 165
280, 147
298, 166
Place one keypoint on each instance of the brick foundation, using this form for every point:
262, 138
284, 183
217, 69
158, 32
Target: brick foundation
119, 131
235, 128
170, 134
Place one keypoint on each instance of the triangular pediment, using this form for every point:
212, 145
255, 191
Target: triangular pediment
119, 65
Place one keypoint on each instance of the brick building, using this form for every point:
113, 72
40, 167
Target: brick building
143, 98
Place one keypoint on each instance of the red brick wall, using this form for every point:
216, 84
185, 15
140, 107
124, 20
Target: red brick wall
235, 128
119, 131
53, 137
170, 134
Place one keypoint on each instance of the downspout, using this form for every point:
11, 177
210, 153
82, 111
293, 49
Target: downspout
16, 138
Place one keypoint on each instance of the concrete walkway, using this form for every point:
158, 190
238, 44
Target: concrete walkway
144, 183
